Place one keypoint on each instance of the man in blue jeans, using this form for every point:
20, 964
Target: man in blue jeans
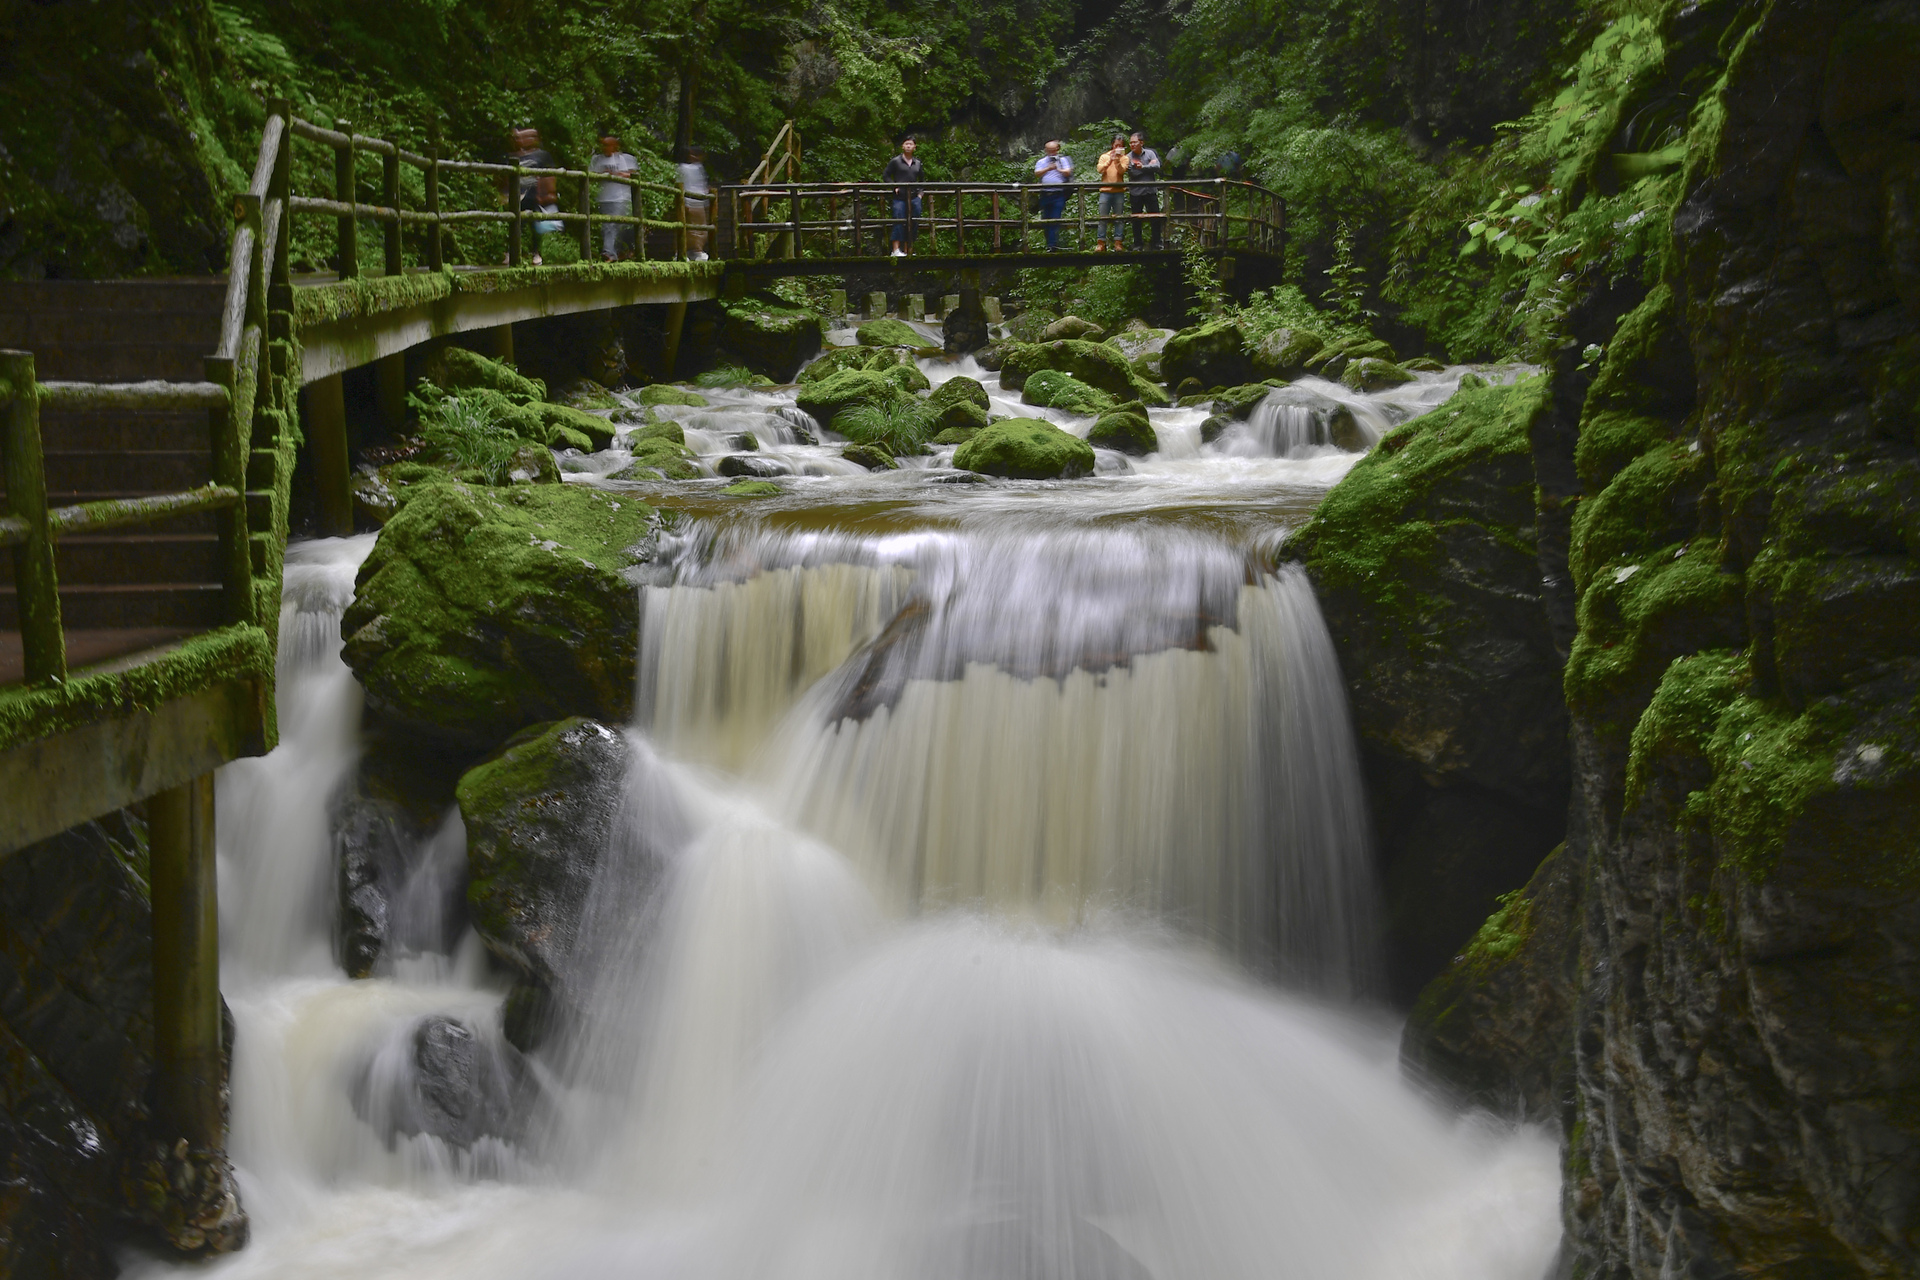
905, 172
1056, 171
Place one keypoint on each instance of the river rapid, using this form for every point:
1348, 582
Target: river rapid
990, 899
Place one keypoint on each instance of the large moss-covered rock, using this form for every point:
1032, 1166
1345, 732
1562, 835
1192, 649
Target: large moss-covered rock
888, 332
483, 610
1214, 354
1284, 353
1371, 373
1098, 364
840, 359
538, 819
454, 368
960, 388
1026, 449
663, 393
770, 335
833, 395
1052, 389
955, 415
1426, 566
1125, 428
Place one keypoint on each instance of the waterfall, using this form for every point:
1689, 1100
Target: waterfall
989, 896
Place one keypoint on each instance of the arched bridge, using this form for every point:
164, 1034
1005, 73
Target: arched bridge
147, 488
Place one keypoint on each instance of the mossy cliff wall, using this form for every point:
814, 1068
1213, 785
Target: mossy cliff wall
1732, 1052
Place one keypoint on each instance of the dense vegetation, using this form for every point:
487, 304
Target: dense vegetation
1390, 131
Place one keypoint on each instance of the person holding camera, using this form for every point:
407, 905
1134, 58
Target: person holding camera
1143, 188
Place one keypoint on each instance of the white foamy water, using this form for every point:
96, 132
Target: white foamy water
989, 898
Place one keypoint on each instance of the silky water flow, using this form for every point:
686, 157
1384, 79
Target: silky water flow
988, 899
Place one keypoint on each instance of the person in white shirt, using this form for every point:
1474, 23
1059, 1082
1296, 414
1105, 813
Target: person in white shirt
693, 181
615, 199
1055, 170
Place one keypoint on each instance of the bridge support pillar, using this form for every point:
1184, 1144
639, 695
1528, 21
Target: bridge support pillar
670, 351
327, 428
186, 1183
503, 342
392, 374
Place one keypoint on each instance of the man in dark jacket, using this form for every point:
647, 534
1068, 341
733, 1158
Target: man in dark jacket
1143, 188
906, 175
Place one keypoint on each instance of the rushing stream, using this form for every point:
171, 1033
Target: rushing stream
989, 900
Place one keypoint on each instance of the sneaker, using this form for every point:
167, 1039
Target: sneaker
536, 261
698, 256
898, 253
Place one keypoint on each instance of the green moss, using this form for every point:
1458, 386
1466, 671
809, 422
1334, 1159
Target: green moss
960, 390
1056, 389
668, 431
1610, 440
1370, 373
377, 295
1504, 932
1238, 403
841, 359
661, 393
886, 332
1380, 531
28, 714
1652, 502
1026, 449
830, 396
670, 459
1213, 354
1636, 619
1125, 429
1679, 722
752, 489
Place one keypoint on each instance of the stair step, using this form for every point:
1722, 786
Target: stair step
161, 470
121, 361
33, 330
105, 559
121, 429
111, 605
178, 293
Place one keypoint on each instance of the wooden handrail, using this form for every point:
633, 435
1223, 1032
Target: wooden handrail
132, 395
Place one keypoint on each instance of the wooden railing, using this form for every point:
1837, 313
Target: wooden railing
856, 219
347, 210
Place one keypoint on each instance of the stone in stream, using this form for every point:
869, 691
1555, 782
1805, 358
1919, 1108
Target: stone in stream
1125, 429
770, 335
484, 610
887, 332
1368, 373
871, 456
750, 466
1284, 353
1073, 327
1098, 364
1053, 389
833, 395
443, 1078
1214, 354
539, 817
1026, 449
1425, 562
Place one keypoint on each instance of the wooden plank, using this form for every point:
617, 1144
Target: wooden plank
58, 782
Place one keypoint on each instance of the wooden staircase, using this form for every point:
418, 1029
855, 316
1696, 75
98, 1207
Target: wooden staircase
143, 585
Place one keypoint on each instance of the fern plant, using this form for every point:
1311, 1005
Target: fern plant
465, 432
898, 426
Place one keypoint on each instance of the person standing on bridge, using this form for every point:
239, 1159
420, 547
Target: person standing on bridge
529, 154
1113, 194
697, 201
906, 175
615, 199
1056, 171
1143, 188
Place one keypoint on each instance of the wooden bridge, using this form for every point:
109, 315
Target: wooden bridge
146, 500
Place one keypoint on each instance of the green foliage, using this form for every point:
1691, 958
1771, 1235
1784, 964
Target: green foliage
1207, 297
1347, 282
732, 375
898, 426
466, 431
1107, 296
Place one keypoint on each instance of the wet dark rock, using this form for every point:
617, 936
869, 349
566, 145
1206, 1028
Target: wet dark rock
1424, 562
538, 819
965, 329
751, 466
1213, 354
444, 1078
1073, 327
370, 843
871, 456
745, 441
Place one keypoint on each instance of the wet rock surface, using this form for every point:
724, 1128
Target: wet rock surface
538, 820
1425, 565
483, 610
448, 1079
1026, 449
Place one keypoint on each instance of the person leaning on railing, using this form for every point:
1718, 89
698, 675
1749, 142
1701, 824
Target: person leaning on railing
1055, 169
1113, 194
906, 174
1143, 188
698, 201
614, 199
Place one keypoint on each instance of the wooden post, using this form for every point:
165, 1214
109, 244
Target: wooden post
390, 196
670, 352
503, 343
327, 428
1080, 209
391, 374
230, 432
680, 233
279, 187
859, 225
188, 1063
36, 585
436, 256
513, 203
586, 227
347, 233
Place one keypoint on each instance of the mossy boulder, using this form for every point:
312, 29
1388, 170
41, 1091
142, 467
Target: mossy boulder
1237, 404
484, 610
1284, 353
1073, 327
1026, 449
752, 489
454, 368
1370, 373
538, 817
573, 428
957, 435
1426, 563
1097, 364
1125, 429
873, 457
888, 332
960, 388
833, 395
662, 430
770, 335
955, 415
840, 359
662, 393
1054, 389
585, 393
1214, 354
660, 458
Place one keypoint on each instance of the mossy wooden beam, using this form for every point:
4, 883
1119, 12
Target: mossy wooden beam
326, 426
42, 641
186, 964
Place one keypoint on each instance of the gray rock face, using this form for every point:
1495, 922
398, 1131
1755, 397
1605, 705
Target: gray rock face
446, 1079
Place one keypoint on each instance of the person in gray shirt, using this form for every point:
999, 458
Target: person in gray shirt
614, 199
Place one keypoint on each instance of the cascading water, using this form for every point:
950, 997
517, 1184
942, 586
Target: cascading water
988, 898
